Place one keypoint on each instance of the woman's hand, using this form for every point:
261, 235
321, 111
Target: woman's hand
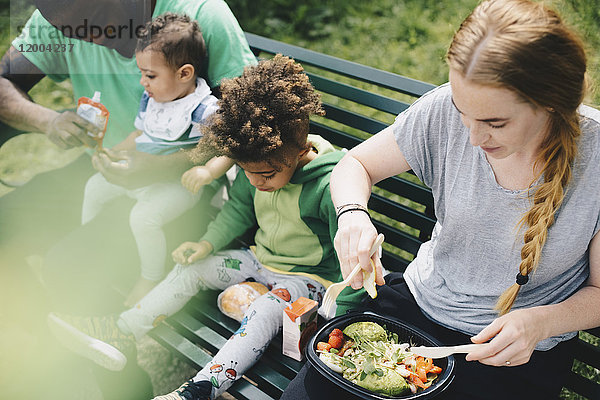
373, 160
190, 252
512, 339
194, 178
353, 240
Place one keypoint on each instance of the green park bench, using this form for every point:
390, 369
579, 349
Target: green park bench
359, 101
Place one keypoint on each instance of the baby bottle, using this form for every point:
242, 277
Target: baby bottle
95, 112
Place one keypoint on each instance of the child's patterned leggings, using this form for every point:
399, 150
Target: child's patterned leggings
262, 320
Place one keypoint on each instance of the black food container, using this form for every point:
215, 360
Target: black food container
406, 334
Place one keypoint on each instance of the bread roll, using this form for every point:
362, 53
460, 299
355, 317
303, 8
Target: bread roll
235, 300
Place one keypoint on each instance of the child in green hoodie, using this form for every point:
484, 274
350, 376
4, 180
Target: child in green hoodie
283, 188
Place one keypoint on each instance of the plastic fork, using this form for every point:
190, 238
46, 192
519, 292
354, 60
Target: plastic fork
327, 309
441, 352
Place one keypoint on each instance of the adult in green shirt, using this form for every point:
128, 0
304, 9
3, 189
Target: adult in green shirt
105, 63
93, 45
38, 215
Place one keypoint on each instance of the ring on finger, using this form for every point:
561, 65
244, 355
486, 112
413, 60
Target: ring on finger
507, 363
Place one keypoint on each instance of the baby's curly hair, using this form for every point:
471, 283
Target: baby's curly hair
177, 37
263, 115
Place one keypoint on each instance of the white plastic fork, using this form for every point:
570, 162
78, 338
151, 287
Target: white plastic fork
327, 309
444, 351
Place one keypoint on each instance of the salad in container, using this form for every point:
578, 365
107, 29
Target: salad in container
369, 356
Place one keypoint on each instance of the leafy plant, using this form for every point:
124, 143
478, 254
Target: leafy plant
309, 19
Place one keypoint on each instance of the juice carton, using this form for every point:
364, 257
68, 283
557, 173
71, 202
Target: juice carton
299, 324
95, 112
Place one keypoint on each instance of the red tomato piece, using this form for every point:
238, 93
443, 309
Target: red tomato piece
336, 342
337, 332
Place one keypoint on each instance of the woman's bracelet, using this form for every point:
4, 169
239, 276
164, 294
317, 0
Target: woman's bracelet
338, 209
345, 210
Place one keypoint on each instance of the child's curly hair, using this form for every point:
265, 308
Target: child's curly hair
263, 115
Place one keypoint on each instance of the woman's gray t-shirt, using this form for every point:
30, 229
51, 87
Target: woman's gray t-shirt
474, 252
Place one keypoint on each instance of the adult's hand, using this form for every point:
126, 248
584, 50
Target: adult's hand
17, 76
353, 241
69, 130
512, 339
351, 181
190, 252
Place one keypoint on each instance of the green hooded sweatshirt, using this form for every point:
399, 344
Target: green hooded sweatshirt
296, 224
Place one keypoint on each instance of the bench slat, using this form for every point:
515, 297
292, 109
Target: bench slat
582, 386
352, 119
401, 213
396, 237
393, 262
360, 96
351, 69
211, 316
594, 332
195, 356
199, 333
187, 350
409, 190
587, 353
335, 136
